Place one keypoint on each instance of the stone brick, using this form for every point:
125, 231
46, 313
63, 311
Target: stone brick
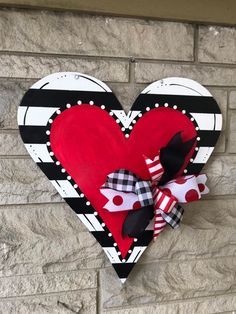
232, 99
29, 67
217, 44
220, 96
47, 283
11, 93
30, 236
147, 72
126, 93
11, 144
220, 146
212, 305
21, 182
221, 172
207, 231
168, 281
232, 133
83, 302
75, 34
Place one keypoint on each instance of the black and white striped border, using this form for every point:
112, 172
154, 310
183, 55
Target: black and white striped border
50, 96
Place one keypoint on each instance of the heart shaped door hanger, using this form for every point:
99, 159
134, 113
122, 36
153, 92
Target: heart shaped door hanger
124, 175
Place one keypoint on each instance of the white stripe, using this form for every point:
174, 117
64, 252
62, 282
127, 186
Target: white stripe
158, 175
164, 202
86, 222
123, 280
35, 115
148, 161
155, 168
39, 152
94, 222
112, 254
65, 188
159, 218
205, 121
136, 253
159, 225
203, 155
126, 119
71, 81
176, 86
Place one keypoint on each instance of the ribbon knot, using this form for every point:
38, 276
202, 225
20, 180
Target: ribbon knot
160, 200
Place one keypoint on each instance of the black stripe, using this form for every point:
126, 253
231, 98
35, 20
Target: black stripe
123, 269
78, 205
52, 171
33, 134
103, 238
145, 239
208, 138
198, 104
195, 168
59, 98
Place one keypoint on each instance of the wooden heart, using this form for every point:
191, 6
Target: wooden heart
76, 131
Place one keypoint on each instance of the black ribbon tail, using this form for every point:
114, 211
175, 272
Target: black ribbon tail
137, 221
172, 156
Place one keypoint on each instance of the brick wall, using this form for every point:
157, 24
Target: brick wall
49, 263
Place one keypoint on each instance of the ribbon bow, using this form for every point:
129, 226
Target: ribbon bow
160, 196
126, 191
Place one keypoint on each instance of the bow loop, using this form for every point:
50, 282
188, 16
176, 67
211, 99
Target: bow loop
143, 191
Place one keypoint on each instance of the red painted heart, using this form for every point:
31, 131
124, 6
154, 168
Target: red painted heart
89, 145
